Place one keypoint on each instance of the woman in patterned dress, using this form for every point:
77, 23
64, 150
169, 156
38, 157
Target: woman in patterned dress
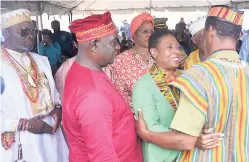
130, 65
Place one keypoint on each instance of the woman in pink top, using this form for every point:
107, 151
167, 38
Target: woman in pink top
61, 74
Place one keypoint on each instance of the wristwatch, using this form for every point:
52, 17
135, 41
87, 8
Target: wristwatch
58, 106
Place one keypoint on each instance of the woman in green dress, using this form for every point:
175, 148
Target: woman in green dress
153, 96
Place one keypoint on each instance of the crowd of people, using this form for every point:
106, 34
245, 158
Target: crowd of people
82, 99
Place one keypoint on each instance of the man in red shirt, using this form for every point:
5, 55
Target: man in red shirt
98, 123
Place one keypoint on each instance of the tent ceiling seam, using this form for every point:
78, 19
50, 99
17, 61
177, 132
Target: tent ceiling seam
63, 7
209, 2
89, 5
147, 8
76, 5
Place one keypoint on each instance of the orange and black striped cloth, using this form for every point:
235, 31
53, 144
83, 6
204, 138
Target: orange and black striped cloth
162, 81
226, 13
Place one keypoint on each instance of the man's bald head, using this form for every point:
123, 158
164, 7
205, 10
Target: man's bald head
102, 50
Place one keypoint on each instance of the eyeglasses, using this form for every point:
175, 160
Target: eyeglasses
26, 31
146, 31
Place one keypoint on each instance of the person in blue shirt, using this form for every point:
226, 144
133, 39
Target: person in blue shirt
125, 27
51, 50
244, 50
64, 39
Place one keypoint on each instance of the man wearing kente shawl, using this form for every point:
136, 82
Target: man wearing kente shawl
214, 94
196, 30
30, 104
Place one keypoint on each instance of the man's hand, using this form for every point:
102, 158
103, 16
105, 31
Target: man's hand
56, 114
141, 127
37, 126
208, 139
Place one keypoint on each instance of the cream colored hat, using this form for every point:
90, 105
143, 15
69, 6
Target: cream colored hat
14, 17
198, 24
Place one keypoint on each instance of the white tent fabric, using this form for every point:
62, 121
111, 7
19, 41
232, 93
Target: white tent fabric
86, 7
131, 5
120, 9
50, 10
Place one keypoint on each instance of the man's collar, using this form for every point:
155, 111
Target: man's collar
16, 55
227, 54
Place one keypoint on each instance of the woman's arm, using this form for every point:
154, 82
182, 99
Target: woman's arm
142, 98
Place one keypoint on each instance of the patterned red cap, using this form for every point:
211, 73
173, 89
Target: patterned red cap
93, 27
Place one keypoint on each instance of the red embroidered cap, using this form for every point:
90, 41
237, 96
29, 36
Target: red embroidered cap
93, 27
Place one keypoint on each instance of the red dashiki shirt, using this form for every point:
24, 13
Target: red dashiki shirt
99, 125
126, 71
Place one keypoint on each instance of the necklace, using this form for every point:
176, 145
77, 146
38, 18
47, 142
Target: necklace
143, 63
32, 79
162, 80
176, 73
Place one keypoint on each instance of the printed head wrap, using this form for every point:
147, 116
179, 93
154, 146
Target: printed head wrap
138, 20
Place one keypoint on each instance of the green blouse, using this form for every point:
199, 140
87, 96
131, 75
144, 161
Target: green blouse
158, 114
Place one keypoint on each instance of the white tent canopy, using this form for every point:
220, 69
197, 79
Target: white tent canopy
85, 7
120, 9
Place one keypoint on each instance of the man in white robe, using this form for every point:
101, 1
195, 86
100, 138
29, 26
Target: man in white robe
30, 105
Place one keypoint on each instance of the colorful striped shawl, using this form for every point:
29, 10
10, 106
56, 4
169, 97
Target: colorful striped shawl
210, 87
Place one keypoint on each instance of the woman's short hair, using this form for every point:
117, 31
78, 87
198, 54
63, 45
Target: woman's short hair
157, 35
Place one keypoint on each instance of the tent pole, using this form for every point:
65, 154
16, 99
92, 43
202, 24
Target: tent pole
38, 35
71, 13
41, 22
150, 6
40, 13
69, 18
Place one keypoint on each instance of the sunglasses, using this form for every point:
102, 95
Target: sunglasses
26, 31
